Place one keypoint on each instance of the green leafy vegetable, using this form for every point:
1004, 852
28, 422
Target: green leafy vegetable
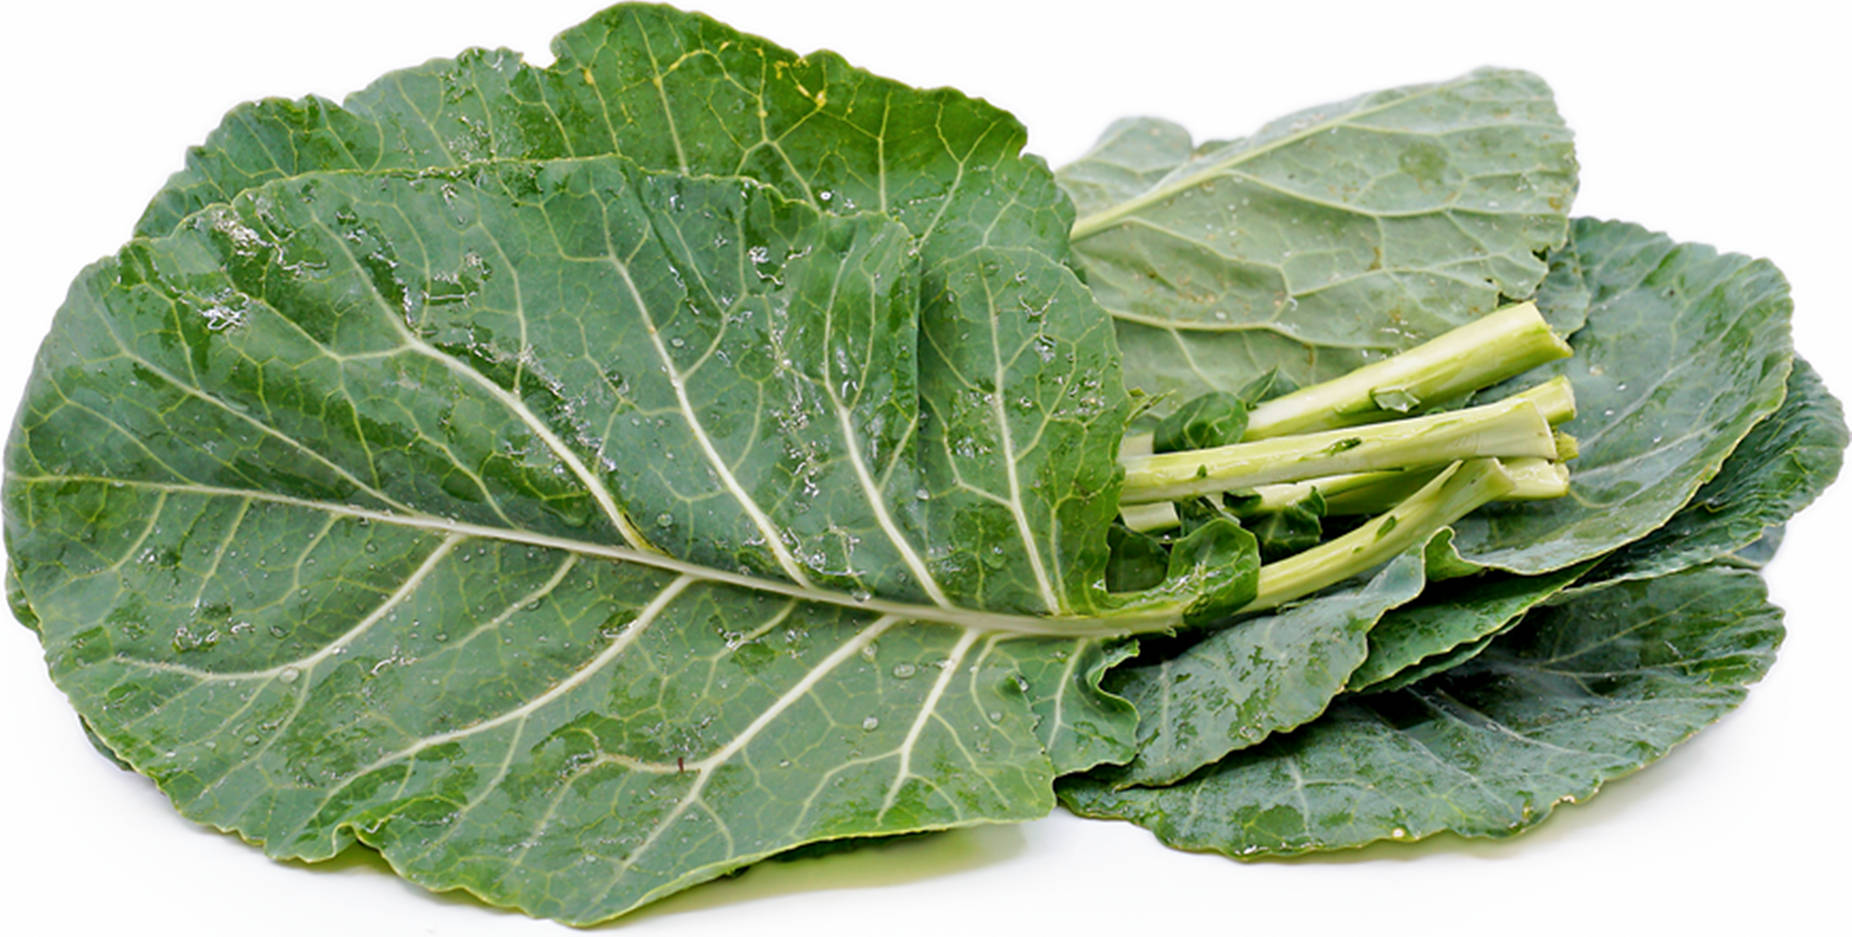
1265, 675
1448, 616
580, 482
1780, 467
453, 632
1579, 695
1685, 350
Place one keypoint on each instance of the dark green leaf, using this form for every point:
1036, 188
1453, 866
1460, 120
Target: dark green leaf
1295, 528
1451, 614
1265, 674
1684, 352
1217, 418
1579, 695
1781, 466
680, 91
1137, 560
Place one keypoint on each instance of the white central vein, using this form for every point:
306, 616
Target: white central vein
414, 342
904, 770
998, 384
1060, 626
774, 539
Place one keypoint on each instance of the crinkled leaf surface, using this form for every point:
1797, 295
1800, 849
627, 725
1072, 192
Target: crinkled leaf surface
674, 90
1262, 675
1780, 467
557, 528
1418, 206
1450, 614
1685, 350
1578, 695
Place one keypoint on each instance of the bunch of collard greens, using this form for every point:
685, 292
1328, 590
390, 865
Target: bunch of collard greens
580, 482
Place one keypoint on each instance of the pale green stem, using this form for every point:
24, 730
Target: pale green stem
1481, 353
1157, 515
1507, 429
1361, 493
1532, 480
1555, 397
1453, 493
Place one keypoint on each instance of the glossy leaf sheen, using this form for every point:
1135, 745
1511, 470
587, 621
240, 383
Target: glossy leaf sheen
1579, 695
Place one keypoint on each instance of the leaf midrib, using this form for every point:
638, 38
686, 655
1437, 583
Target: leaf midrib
1005, 623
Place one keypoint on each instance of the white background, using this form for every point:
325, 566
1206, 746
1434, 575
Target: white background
1724, 125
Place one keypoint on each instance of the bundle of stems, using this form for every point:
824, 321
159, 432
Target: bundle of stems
1377, 443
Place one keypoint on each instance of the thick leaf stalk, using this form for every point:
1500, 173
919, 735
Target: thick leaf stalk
1514, 428
1450, 496
1481, 353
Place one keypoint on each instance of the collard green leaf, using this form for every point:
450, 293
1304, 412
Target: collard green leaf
1781, 466
680, 91
1451, 614
555, 528
1422, 205
1578, 695
1263, 675
1685, 350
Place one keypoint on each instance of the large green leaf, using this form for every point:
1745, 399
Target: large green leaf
1685, 350
1781, 466
565, 531
1326, 239
1263, 675
674, 90
1579, 695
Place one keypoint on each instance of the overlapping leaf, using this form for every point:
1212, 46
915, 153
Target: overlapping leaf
580, 481
1685, 350
673, 90
668, 90
1263, 675
1654, 424
1579, 695
1780, 467
331, 531
1448, 615
1422, 205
